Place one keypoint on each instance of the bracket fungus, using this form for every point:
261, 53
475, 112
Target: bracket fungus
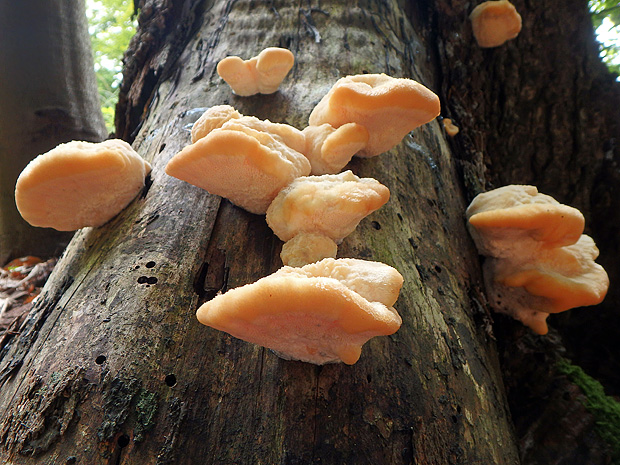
389, 108
80, 184
538, 262
261, 74
226, 117
213, 118
321, 313
245, 160
308, 247
494, 22
517, 219
329, 149
450, 128
331, 205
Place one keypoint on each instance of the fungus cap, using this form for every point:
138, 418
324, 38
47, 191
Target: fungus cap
556, 280
517, 219
331, 204
567, 276
389, 108
329, 149
226, 117
287, 134
450, 128
307, 248
80, 184
246, 166
314, 313
213, 118
494, 22
261, 74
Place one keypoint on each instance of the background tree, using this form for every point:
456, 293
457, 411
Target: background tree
606, 21
111, 26
47, 96
112, 367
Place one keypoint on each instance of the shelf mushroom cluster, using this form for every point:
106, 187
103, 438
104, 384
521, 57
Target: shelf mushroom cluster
316, 308
538, 259
294, 176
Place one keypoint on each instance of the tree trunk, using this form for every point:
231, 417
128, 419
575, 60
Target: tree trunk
544, 110
114, 368
48, 95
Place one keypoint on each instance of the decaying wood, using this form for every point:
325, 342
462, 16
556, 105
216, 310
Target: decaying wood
112, 366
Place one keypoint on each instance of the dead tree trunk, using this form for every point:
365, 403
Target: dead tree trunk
544, 110
48, 95
112, 366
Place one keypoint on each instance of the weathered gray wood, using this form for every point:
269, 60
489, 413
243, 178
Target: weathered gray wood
114, 368
48, 95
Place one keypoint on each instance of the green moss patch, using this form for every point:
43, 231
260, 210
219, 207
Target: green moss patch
606, 409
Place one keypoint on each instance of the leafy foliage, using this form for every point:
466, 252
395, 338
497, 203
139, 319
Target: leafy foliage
111, 26
606, 21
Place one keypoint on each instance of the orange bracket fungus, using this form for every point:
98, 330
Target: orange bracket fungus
321, 313
261, 74
331, 205
213, 118
329, 149
308, 247
538, 261
495, 22
245, 160
226, 117
516, 219
450, 128
80, 184
389, 108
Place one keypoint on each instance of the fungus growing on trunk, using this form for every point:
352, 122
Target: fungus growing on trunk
331, 205
213, 118
450, 128
557, 280
245, 160
329, 149
494, 22
538, 261
261, 74
321, 313
517, 219
226, 117
80, 184
389, 108
307, 248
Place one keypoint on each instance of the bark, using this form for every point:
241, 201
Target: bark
543, 110
48, 95
112, 366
